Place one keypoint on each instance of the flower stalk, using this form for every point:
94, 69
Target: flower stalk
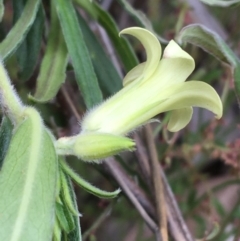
10, 101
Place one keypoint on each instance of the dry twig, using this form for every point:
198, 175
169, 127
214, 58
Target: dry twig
157, 183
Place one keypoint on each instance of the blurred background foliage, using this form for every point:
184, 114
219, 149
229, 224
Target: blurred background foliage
201, 162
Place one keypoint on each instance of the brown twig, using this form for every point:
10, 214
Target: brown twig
121, 178
98, 222
177, 226
70, 103
143, 160
157, 183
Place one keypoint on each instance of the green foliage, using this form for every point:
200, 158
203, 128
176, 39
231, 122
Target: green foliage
28, 52
220, 3
78, 52
108, 77
53, 68
20, 29
28, 183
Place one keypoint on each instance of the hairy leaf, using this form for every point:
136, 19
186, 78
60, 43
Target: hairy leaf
86, 185
212, 43
28, 183
66, 195
75, 234
209, 41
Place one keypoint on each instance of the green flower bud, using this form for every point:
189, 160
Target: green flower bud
94, 146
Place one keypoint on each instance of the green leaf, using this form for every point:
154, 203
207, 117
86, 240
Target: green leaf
65, 218
57, 232
141, 19
1, 10
29, 50
79, 54
209, 41
121, 45
28, 183
18, 32
214, 232
86, 185
212, 43
18, 7
5, 137
54, 64
66, 195
220, 3
74, 235
108, 77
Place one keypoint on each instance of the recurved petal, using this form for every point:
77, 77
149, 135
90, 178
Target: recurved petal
192, 93
179, 119
151, 45
134, 74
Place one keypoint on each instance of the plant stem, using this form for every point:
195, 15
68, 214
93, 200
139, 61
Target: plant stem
10, 101
158, 185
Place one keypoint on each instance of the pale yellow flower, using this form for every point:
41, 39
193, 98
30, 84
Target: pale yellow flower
155, 86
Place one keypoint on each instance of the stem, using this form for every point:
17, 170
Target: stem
98, 222
121, 178
158, 185
10, 101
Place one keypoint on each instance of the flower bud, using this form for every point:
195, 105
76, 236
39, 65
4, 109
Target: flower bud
94, 146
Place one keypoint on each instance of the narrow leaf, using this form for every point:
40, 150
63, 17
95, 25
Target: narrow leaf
66, 195
86, 185
31, 46
28, 183
65, 218
212, 43
141, 19
53, 67
18, 7
74, 235
209, 41
1, 10
122, 46
5, 137
57, 232
28, 52
79, 54
108, 77
20, 29
220, 3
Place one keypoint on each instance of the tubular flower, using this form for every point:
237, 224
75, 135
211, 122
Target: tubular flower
155, 86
